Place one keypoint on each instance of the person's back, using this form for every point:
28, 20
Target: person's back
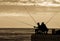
43, 27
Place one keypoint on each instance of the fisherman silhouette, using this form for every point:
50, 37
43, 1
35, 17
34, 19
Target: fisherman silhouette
44, 28
41, 28
37, 29
38, 25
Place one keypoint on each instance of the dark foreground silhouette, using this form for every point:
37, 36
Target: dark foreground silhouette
58, 32
48, 37
41, 33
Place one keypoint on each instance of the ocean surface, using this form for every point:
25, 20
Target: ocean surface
19, 34
16, 34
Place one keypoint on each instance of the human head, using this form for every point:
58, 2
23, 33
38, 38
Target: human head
42, 22
38, 23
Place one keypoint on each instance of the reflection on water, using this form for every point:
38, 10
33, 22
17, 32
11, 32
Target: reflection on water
16, 34
20, 34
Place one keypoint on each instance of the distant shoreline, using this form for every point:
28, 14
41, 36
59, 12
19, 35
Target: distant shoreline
24, 28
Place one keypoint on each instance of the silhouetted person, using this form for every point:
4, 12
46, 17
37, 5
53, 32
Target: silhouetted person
41, 28
44, 28
38, 25
38, 29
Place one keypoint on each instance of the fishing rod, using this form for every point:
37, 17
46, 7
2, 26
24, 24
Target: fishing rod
50, 19
30, 15
22, 22
26, 23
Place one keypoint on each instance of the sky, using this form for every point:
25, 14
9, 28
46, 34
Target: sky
28, 16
